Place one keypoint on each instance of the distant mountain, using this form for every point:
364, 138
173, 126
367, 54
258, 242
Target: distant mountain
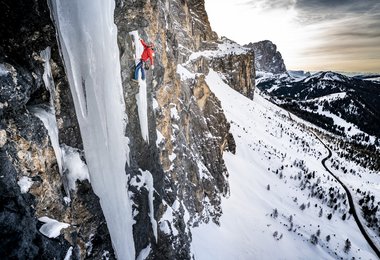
371, 77
267, 58
299, 74
344, 105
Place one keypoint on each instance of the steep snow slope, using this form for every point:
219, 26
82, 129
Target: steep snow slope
362, 182
281, 197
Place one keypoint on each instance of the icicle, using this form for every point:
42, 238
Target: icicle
47, 114
88, 40
141, 97
148, 180
47, 77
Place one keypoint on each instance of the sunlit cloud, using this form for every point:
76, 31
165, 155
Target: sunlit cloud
310, 34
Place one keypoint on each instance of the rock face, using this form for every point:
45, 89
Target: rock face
19, 226
267, 58
235, 62
26, 150
238, 70
188, 119
188, 131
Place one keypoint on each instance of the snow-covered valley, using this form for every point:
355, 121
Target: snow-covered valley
281, 197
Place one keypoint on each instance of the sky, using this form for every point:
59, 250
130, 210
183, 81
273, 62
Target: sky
312, 35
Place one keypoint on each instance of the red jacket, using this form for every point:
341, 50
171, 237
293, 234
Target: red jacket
147, 53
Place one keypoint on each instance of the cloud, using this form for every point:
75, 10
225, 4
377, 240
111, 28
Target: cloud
345, 44
316, 11
339, 31
319, 10
308, 33
271, 4
341, 6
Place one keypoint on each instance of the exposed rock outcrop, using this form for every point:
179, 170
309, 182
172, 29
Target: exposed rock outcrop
26, 150
267, 57
238, 69
184, 169
18, 223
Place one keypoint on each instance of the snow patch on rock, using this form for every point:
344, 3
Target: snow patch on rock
25, 183
74, 167
144, 253
52, 228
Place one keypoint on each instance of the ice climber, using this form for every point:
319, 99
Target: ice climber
147, 54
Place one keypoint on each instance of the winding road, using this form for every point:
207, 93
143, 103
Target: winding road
350, 200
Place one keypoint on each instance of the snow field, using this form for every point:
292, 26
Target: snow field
338, 121
51, 228
361, 178
25, 183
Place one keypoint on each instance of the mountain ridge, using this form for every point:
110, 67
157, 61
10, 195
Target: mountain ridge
361, 98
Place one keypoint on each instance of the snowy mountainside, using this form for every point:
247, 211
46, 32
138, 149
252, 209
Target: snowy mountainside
281, 196
277, 147
367, 76
363, 182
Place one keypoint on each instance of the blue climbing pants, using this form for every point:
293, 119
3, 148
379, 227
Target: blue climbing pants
139, 66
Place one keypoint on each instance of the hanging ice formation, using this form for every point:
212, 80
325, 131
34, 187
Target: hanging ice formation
88, 39
48, 116
141, 97
70, 165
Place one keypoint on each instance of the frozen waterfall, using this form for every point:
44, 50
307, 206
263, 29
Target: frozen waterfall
88, 39
141, 97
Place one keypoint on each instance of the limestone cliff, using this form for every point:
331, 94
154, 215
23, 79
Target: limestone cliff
185, 171
235, 62
267, 57
188, 132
